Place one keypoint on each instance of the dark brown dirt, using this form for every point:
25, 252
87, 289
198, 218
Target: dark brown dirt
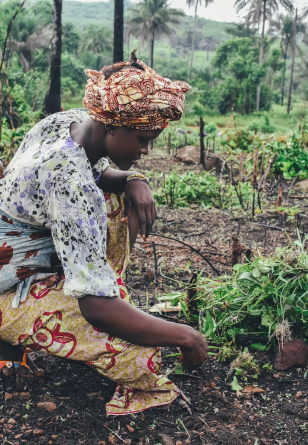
218, 415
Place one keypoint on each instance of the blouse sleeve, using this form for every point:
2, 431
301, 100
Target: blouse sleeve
99, 168
78, 222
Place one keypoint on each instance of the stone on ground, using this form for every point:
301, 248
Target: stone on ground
294, 353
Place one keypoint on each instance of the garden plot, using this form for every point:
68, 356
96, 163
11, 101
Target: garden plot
252, 404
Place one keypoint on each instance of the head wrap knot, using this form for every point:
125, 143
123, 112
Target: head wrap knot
134, 98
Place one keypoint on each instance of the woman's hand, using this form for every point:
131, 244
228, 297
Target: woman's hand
138, 195
195, 354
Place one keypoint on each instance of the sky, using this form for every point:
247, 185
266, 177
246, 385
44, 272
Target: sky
220, 10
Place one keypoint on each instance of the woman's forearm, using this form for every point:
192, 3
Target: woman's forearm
113, 181
120, 319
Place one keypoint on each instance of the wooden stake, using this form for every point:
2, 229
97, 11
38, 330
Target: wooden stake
231, 174
280, 195
202, 148
192, 307
255, 167
169, 143
236, 250
155, 264
240, 178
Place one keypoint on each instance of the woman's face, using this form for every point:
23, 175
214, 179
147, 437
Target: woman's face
124, 146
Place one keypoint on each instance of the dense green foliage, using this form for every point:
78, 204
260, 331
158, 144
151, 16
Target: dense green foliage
258, 297
204, 189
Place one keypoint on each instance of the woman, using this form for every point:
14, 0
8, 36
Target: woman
53, 211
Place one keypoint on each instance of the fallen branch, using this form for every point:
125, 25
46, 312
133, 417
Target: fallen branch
191, 247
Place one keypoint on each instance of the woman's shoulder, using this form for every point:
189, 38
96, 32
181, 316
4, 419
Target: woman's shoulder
58, 121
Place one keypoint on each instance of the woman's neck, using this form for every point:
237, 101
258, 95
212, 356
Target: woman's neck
90, 134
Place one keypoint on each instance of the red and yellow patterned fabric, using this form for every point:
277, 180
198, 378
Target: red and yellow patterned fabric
51, 322
134, 98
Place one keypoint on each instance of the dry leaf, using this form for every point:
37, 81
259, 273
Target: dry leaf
49, 406
112, 439
165, 307
252, 390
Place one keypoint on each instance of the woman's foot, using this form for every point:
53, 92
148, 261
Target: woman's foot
14, 354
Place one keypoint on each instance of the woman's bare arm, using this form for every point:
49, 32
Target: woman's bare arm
120, 319
113, 181
138, 196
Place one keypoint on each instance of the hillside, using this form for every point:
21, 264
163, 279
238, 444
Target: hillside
82, 14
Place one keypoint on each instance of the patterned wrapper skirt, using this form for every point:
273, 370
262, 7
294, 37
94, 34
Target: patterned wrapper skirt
51, 322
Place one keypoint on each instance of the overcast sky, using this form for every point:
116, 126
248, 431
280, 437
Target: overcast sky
220, 10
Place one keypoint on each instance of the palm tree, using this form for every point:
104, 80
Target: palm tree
195, 3
152, 18
118, 31
209, 44
97, 40
255, 13
266, 9
284, 25
52, 101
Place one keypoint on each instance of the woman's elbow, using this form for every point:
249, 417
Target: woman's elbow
90, 308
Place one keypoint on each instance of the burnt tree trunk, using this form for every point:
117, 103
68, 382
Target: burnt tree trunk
52, 101
118, 31
236, 250
202, 148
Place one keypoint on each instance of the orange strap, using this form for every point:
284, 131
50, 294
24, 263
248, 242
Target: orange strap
9, 364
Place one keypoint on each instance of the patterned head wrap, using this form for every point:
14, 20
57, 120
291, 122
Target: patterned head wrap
134, 98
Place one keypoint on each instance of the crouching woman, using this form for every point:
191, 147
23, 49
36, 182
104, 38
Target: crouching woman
66, 222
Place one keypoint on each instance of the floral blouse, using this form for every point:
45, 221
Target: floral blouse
50, 183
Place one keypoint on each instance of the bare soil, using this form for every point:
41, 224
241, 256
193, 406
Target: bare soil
216, 414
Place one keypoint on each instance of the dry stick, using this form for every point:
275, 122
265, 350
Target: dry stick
236, 251
261, 166
171, 223
155, 264
255, 167
140, 248
280, 194
231, 174
253, 202
240, 176
192, 248
105, 426
267, 169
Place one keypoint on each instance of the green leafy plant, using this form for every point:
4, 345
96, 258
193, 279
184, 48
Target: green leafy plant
262, 298
204, 189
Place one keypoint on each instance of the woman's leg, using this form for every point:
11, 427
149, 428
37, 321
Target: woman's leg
51, 322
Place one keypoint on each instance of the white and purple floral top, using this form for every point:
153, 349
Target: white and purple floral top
50, 183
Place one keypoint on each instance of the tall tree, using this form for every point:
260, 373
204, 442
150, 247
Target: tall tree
208, 45
52, 102
4, 51
195, 3
268, 7
151, 19
293, 61
118, 31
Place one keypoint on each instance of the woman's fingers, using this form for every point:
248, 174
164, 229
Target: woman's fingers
149, 222
142, 221
127, 210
